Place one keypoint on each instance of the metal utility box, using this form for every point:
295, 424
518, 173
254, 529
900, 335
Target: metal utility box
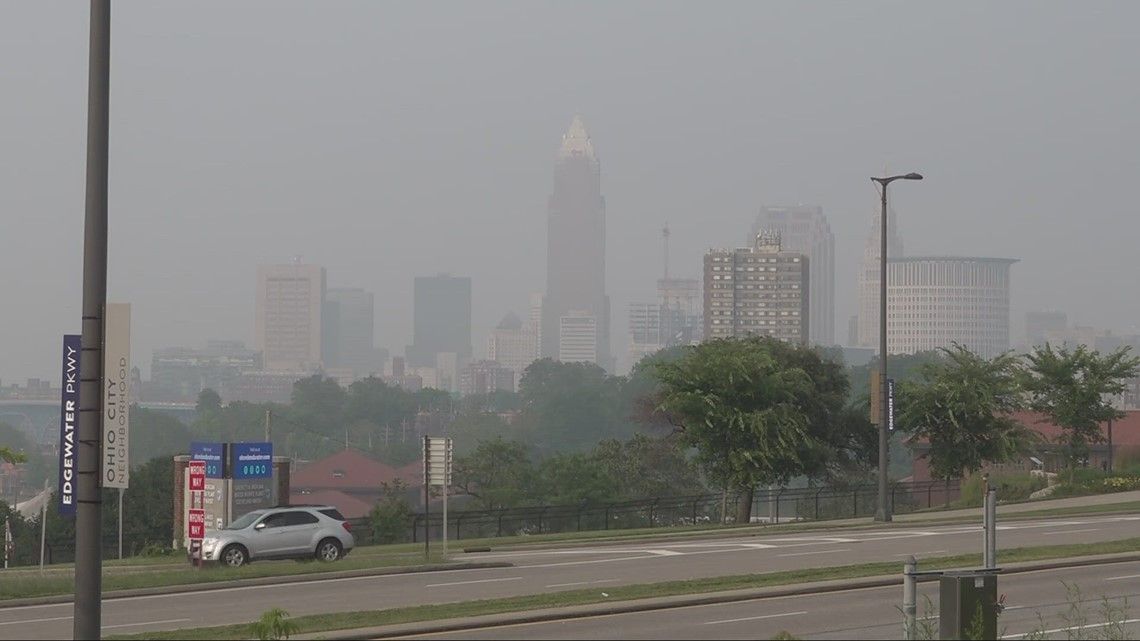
963, 598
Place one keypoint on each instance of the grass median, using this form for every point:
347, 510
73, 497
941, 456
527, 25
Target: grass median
158, 572
351, 620
26, 585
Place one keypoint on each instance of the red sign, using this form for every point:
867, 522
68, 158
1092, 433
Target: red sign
197, 476
196, 524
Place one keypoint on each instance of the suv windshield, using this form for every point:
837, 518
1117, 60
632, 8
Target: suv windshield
245, 521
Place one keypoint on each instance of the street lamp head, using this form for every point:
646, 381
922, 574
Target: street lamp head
913, 176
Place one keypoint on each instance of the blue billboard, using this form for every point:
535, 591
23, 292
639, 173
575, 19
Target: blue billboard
251, 460
68, 421
214, 454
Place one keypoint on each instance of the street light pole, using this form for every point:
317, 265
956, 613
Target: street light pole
883, 510
88, 495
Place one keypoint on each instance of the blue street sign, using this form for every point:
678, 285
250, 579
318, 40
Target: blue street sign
890, 404
68, 421
251, 460
214, 454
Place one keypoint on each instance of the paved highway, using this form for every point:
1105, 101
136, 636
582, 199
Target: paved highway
856, 614
566, 568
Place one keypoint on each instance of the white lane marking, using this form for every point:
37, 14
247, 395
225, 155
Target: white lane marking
666, 552
563, 585
1091, 529
1121, 578
815, 552
556, 565
35, 621
814, 539
132, 625
927, 552
766, 616
1070, 628
440, 585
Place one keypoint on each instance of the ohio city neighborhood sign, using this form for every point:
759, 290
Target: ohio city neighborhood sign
116, 394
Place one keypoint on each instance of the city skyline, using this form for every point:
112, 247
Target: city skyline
419, 174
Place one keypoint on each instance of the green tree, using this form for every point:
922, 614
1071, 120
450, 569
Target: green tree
209, 402
392, 514
156, 434
573, 477
1073, 388
646, 467
961, 405
571, 406
319, 404
758, 411
497, 474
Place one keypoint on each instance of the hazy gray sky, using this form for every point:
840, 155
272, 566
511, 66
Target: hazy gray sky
388, 140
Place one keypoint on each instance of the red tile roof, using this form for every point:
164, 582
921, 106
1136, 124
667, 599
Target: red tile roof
350, 506
1125, 431
348, 470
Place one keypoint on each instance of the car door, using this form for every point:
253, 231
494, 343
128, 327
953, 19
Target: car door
301, 528
270, 536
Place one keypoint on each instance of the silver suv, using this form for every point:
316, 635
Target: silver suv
288, 532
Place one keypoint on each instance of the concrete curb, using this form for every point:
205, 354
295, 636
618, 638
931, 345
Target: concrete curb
664, 603
261, 580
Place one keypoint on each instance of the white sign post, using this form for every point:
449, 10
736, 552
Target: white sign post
437, 473
116, 395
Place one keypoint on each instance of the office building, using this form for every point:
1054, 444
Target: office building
933, 302
645, 335
349, 327
869, 272
761, 290
578, 337
804, 229
681, 303
442, 319
576, 245
179, 374
513, 344
287, 328
484, 377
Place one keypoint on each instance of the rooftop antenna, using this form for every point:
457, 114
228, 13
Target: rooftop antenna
665, 238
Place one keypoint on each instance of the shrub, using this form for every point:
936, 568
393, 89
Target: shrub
1010, 487
274, 624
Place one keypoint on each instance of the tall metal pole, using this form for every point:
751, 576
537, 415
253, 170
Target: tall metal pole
43, 524
883, 511
910, 597
89, 506
120, 524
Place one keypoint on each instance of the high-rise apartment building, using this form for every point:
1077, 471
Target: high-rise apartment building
442, 319
869, 271
513, 345
288, 313
349, 327
576, 245
936, 301
578, 337
804, 229
760, 290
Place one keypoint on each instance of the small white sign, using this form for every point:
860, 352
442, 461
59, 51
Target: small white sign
115, 456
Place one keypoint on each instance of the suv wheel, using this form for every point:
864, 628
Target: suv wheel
235, 556
328, 550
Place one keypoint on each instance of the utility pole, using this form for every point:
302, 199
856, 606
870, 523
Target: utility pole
89, 503
268, 427
43, 524
120, 524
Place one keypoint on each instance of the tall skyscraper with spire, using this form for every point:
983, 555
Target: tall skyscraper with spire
867, 326
576, 246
